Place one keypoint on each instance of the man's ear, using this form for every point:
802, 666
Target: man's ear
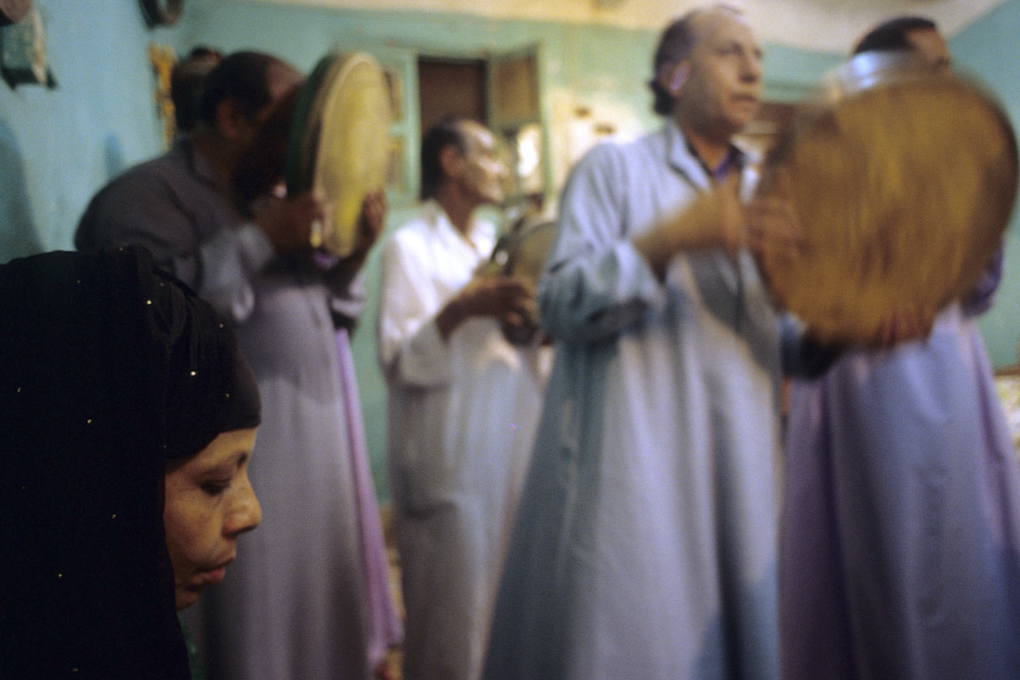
451, 160
673, 77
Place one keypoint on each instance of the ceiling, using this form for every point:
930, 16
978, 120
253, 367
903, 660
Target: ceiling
820, 25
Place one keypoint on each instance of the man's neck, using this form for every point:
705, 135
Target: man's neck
713, 150
214, 151
458, 209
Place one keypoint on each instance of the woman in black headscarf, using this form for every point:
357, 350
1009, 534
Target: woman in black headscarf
127, 417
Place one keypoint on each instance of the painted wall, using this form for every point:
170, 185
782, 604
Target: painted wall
57, 147
987, 49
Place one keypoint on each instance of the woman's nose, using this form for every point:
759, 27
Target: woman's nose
246, 513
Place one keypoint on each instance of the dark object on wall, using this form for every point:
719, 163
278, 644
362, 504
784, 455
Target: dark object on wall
13, 11
23, 52
161, 12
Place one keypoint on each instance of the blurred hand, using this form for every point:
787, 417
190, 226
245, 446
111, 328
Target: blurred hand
508, 300
714, 220
371, 223
773, 232
906, 324
287, 222
504, 298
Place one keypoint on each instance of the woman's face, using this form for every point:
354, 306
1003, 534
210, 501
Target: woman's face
209, 503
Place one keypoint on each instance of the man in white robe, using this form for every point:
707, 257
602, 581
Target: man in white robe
645, 542
463, 403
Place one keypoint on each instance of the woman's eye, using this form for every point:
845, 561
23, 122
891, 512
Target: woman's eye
215, 488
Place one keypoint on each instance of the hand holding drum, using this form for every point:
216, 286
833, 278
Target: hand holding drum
901, 181
520, 256
339, 148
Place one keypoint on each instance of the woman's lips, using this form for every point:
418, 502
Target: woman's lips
213, 575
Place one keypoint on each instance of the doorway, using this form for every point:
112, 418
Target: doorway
451, 87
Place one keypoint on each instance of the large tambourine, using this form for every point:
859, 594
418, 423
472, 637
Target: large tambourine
339, 143
903, 180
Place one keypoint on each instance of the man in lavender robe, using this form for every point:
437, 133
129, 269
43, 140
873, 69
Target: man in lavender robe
900, 540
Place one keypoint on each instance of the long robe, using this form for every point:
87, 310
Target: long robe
645, 542
901, 528
462, 418
295, 602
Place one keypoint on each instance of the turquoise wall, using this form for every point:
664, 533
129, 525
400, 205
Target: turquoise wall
57, 147
987, 49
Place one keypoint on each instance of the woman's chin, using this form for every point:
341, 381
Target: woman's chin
185, 597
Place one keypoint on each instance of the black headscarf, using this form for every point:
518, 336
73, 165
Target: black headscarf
109, 368
209, 387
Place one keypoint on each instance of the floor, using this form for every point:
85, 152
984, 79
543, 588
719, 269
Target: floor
392, 667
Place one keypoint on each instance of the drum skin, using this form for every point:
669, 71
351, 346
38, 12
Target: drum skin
339, 142
902, 180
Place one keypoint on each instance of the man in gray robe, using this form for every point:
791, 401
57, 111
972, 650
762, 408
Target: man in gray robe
295, 605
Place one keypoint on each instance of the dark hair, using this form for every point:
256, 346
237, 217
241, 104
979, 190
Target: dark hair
203, 53
892, 34
240, 76
447, 132
186, 82
676, 42
263, 164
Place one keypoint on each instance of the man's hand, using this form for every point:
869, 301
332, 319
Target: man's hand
773, 230
506, 299
371, 223
287, 222
905, 324
714, 220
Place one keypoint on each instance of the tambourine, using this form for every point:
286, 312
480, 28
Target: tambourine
339, 142
521, 253
903, 179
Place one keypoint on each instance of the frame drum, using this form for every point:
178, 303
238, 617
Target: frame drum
903, 180
339, 143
